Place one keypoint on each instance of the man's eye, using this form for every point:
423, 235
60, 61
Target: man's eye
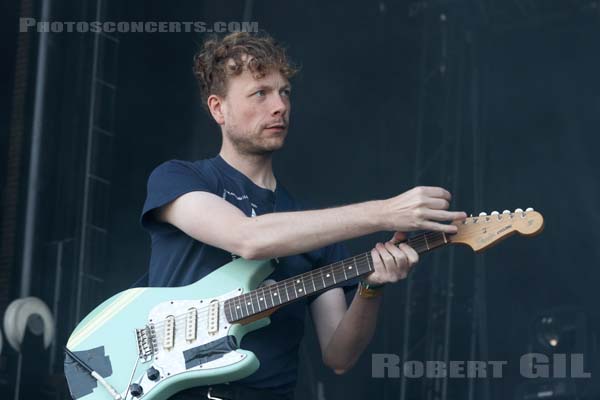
260, 93
286, 92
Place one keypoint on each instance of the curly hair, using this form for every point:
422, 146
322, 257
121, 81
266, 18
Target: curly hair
258, 53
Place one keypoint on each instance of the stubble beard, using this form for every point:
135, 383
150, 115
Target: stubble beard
252, 144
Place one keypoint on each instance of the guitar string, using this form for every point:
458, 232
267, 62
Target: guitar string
283, 284
180, 334
336, 267
413, 242
291, 282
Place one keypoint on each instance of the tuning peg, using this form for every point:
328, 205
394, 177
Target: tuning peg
495, 213
529, 209
505, 212
482, 214
518, 210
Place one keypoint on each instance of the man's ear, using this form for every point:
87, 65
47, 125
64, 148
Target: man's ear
215, 105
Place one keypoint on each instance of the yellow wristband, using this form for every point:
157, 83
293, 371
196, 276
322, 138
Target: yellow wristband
368, 291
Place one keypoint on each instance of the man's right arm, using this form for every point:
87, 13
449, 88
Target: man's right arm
212, 220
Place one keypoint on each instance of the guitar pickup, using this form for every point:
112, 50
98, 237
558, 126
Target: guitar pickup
213, 317
191, 322
169, 340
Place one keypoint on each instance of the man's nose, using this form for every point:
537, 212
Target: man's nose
280, 105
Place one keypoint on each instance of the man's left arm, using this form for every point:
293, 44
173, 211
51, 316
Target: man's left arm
345, 332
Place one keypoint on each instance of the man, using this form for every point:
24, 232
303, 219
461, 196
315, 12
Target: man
203, 214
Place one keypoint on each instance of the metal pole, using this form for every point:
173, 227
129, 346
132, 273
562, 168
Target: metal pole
417, 173
34, 157
88, 166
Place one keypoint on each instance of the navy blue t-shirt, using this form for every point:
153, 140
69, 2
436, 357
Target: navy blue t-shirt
178, 260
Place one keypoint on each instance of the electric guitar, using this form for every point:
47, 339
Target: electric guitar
149, 343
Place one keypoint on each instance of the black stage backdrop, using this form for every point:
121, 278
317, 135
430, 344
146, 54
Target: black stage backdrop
389, 96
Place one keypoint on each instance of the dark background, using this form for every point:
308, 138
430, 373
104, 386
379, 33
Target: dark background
497, 101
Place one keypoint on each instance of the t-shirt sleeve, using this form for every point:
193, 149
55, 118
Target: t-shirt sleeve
167, 182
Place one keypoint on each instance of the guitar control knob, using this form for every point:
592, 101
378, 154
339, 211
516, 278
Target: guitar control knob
136, 390
495, 213
518, 210
153, 374
505, 212
482, 214
529, 209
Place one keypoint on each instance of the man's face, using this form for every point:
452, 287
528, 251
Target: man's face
256, 112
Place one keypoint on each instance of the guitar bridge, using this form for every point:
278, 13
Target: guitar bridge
146, 342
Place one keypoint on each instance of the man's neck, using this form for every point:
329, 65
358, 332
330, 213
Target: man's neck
259, 169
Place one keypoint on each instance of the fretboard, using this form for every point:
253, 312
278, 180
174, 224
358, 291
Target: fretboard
288, 290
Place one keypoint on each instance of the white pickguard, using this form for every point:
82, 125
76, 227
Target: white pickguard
171, 362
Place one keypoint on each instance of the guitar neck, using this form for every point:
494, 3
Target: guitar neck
288, 290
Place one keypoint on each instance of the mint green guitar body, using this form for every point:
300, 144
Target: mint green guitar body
135, 331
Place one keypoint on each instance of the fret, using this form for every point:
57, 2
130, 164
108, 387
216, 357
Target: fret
245, 304
294, 296
257, 302
329, 277
241, 307
271, 294
227, 308
278, 294
369, 263
230, 317
237, 307
356, 267
432, 239
264, 298
241, 303
227, 311
303, 289
250, 302
232, 309
324, 277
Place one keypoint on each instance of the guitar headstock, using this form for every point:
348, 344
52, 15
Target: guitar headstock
485, 231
